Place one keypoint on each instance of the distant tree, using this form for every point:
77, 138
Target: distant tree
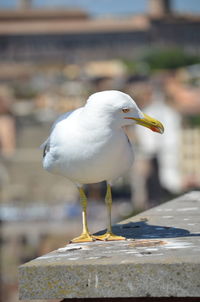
171, 58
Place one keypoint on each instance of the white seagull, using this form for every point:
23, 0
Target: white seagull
91, 144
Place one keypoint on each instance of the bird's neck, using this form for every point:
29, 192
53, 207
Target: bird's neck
93, 118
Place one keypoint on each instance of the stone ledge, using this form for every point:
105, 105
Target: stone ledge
160, 258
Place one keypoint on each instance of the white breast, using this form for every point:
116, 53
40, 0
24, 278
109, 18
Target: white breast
88, 156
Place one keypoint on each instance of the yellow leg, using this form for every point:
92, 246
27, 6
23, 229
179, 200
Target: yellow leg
85, 236
109, 234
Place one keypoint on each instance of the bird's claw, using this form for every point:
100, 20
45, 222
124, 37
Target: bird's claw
84, 237
108, 236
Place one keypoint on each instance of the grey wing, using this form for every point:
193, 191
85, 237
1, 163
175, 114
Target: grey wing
46, 145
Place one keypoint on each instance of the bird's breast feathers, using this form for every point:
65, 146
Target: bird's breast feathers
88, 158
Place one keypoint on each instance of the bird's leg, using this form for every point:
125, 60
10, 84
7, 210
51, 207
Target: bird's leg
85, 236
109, 234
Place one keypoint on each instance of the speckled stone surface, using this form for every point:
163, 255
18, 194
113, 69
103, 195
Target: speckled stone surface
161, 257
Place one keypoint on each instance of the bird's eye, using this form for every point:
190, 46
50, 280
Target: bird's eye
125, 110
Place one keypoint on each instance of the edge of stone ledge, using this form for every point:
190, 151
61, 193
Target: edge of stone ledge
49, 280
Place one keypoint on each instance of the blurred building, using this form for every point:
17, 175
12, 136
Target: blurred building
72, 36
158, 8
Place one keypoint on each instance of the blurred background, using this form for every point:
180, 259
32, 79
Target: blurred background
53, 55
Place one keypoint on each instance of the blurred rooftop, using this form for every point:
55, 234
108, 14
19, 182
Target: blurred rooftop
57, 21
46, 21
30, 34
36, 14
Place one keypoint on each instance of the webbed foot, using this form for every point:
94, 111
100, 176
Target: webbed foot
109, 236
84, 237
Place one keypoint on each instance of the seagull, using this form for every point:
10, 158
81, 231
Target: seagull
91, 144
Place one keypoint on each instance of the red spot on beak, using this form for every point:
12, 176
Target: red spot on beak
155, 129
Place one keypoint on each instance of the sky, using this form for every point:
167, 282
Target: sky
107, 7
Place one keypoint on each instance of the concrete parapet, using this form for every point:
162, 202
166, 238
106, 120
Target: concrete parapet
160, 258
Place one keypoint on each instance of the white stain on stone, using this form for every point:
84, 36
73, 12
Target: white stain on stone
130, 286
187, 209
72, 247
178, 245
151, 249
124, 261
45, 257
131, 252
89, 279
167, 217
96, 281
53, 256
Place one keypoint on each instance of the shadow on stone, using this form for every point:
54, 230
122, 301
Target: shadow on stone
143, 230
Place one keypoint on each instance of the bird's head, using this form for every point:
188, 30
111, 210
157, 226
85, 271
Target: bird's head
121, 110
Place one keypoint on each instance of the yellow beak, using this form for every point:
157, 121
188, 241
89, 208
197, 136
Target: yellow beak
149, 122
